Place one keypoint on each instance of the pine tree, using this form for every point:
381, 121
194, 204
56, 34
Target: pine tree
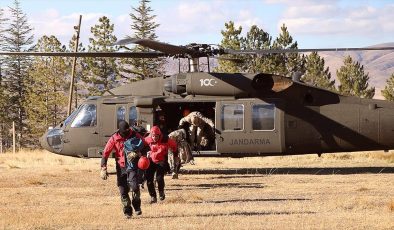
3, 31
353, 81
103, 72
143, 27
388, 91
3, 96
17, 39
286, 64
256, 39
46, 99
315, 74
231, 40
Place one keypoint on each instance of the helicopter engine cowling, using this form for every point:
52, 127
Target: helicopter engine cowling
226, 84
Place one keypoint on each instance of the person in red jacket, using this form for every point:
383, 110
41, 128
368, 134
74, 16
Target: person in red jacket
127, 174
159, 146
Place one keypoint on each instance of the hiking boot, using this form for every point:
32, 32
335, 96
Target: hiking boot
174, 176
162, 195
138, 212
153, 199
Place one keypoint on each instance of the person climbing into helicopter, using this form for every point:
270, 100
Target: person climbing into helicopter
200, 129
129, 148
159, 145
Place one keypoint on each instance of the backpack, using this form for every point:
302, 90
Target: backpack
130, 151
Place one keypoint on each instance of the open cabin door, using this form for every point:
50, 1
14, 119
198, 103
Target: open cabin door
249, 126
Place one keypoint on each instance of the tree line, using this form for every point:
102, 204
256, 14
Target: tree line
33, 91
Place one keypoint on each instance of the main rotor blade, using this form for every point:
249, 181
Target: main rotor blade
89, 54
159, 46
278, 51
235, 60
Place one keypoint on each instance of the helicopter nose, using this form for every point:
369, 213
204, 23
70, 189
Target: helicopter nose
43, 142
52, 140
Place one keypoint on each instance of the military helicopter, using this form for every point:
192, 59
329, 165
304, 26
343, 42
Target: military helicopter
254, 114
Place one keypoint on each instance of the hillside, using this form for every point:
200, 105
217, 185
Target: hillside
379, 64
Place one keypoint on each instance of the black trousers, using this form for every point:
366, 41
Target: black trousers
126, 181
160, 169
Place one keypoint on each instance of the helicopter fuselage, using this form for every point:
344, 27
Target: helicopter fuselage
254, 115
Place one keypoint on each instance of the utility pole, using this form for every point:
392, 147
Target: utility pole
70, 95
1, 138
13, 138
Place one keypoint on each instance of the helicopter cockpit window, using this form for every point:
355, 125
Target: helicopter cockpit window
86, 116
120, 115
69, 118
232, 117
263, 117
132, 115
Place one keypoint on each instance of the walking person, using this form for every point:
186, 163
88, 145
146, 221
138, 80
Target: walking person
158, 155
128, 145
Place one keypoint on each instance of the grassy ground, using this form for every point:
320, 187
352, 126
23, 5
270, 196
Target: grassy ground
40, 190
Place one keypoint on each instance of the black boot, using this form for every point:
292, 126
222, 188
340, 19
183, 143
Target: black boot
153, 199
162, 196
127, 210
136, 202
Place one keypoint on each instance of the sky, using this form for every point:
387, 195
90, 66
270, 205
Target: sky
312, 23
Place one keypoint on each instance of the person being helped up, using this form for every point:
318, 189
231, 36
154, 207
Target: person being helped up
128, 145
159, 147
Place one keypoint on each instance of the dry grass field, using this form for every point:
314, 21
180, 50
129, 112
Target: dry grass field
40, 190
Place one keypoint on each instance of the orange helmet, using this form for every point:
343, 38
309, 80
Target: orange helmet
143, 163
186, 112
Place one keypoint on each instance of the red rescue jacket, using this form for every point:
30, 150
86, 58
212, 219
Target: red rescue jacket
159, 149
117, 142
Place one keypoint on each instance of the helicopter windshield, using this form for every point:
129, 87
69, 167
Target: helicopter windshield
69, 118
86, 116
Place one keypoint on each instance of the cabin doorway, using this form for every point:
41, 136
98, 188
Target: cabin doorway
168, 115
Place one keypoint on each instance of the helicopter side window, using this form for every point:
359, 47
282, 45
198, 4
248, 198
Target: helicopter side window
86, 117
263, 117
120, 115
133, 115
232, 117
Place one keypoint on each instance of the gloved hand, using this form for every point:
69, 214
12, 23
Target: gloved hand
132, 155
104, 173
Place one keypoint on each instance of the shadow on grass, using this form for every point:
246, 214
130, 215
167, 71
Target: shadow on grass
311, 171
249, 200
214, 185
241, 213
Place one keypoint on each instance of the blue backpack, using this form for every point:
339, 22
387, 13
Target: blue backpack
133, 144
